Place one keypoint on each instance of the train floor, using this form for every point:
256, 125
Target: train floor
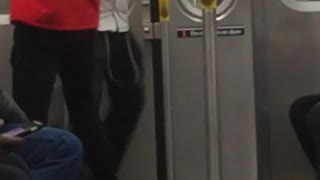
86, 174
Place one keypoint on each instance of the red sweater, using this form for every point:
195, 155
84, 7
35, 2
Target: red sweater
57, 14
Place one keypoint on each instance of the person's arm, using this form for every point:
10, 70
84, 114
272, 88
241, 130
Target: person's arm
7, 144
10, 112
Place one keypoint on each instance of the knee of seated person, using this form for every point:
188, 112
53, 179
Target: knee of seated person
64, 141
313, 115
301, 106
72, 144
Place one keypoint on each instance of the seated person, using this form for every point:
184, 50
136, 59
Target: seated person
305, 119
299, 111
12, 167
8, 172
51, 154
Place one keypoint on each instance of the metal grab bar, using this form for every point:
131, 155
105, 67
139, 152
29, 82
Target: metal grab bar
211, 81
166, 75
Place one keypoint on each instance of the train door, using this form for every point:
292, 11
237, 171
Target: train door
180, 152
235, 92
286, 46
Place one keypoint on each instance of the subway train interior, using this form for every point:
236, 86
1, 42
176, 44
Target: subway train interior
219, 87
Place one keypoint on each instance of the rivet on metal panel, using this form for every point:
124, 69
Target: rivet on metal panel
146, 3
152, 30
146, 29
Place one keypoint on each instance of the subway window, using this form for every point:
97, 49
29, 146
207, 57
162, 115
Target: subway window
191, 8
303, 5
4, 12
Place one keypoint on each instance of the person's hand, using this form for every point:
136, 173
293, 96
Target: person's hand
8, 144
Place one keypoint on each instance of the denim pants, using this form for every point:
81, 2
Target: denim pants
51, 154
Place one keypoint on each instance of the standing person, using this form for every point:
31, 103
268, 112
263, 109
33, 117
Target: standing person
59, 37
123, 75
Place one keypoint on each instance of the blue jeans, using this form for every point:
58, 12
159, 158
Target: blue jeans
51, 154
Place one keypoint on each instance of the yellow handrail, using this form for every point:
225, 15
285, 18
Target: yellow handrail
208, 4
164, 10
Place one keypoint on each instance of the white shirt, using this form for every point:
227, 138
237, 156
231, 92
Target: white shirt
114, 16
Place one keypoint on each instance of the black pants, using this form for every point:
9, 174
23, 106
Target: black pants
305, 118
125, 82
37, 57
